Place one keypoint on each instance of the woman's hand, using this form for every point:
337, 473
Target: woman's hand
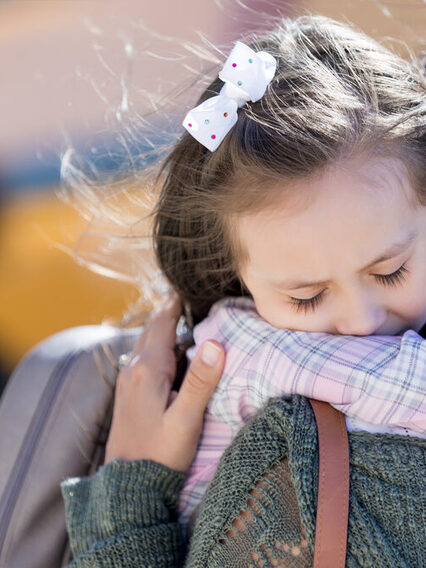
149, 420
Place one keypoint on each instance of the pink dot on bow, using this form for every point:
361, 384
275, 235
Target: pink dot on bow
213, 136
234, 65
189, 124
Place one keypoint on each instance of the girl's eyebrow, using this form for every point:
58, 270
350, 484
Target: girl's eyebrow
394, 249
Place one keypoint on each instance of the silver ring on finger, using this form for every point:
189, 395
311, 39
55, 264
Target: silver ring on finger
125, 359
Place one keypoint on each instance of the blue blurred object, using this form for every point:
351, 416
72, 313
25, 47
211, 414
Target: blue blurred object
32, 173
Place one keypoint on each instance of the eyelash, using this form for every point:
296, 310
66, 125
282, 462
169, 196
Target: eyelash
393, 279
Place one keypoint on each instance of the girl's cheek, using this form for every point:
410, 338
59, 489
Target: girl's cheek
279, 314
273, 312
412, 305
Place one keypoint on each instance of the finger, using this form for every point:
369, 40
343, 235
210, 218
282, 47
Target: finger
170, 303
172, 397
200, 381
152, 371
161, 327
139, 343
142, 385
174, 298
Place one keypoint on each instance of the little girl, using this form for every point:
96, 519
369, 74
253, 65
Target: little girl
300, 220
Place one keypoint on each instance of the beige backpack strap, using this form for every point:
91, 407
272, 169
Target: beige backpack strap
333, 487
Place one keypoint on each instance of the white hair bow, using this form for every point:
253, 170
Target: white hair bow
246, 74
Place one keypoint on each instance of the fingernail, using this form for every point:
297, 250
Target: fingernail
210, 354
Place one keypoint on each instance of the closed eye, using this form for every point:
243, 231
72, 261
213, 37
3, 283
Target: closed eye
393, 279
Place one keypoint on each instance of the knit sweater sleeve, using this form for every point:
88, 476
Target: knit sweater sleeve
124, 515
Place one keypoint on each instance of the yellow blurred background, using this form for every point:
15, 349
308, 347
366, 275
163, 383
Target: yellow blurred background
44, 46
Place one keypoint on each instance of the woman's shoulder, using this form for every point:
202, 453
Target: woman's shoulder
386, 476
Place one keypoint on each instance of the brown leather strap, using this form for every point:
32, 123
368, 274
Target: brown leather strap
333, 487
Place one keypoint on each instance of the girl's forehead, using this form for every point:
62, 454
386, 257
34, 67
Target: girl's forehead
352, 206
352, 183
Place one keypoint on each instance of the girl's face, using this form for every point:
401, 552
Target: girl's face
345, 254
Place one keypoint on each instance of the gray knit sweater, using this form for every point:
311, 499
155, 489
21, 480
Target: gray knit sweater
125, 514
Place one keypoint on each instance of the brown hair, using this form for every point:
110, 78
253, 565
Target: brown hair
165, 214
337, 93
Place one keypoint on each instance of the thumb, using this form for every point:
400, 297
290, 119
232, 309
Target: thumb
201, 380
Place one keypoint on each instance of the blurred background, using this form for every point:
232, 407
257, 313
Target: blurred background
72, 70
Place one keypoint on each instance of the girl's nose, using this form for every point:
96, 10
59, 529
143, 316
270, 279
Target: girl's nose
360, 314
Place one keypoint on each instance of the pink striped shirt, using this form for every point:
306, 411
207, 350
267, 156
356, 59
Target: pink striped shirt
378, 382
